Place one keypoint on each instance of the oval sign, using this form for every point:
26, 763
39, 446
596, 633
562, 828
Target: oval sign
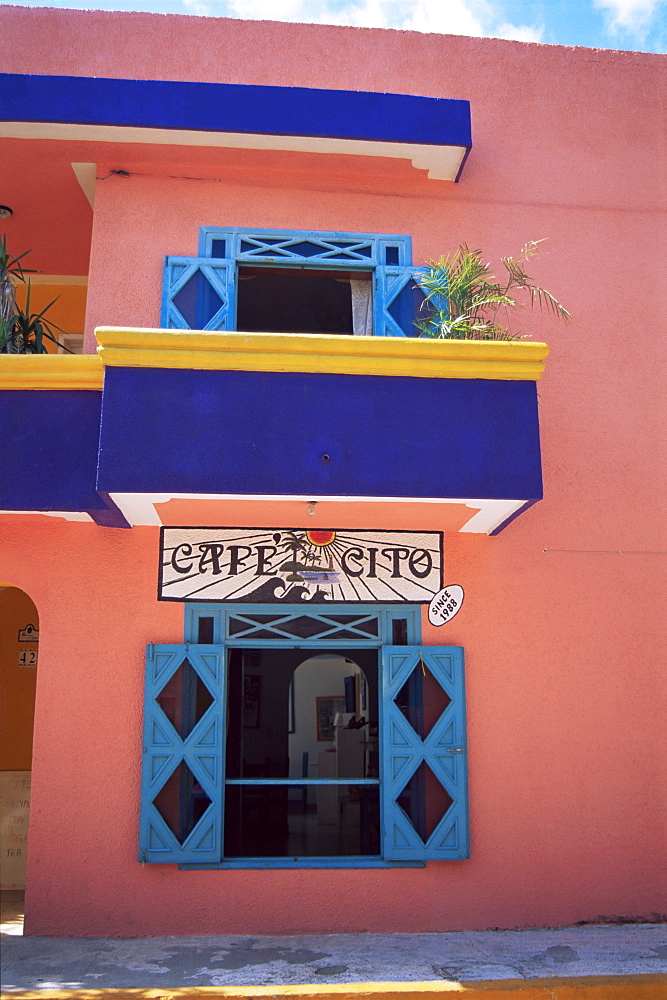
445, 604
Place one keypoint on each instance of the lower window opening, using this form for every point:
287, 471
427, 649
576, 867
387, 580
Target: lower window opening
296, 716
349, 753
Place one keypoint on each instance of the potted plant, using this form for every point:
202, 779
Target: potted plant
464, 300
22, 332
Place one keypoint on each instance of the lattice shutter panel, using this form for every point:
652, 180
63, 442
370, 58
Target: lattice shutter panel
424, 774
397, 302
313, 625
199, 294
311, 247
183, 755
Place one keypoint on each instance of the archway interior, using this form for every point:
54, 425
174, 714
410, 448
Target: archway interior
19, 645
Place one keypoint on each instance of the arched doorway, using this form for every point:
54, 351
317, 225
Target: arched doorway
19, 645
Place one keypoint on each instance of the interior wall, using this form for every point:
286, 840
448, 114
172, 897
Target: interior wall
315, 677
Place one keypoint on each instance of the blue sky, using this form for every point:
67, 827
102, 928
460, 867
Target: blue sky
639, 25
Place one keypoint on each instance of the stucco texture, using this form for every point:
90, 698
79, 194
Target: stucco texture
564, 709
566, 697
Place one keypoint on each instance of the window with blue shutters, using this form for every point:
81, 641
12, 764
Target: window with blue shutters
294, 281
228, 780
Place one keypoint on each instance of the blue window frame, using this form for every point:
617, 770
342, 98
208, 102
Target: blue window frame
202, 293
419, 786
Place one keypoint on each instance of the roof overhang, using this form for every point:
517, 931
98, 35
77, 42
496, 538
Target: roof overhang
433, 133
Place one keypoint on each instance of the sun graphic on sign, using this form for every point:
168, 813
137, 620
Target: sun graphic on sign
321, 538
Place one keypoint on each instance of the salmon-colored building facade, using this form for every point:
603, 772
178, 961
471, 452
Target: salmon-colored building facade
388, 466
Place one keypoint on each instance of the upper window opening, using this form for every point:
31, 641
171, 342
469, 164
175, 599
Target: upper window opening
283, 300
292, 281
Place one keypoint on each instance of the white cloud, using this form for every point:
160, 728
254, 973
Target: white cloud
519, 32
269, 10
447, 17
358, 13
636, 17
453, 17
197, 7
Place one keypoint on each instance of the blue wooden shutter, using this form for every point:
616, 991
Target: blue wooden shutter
199, 294
424, 774
398, 299
183, 754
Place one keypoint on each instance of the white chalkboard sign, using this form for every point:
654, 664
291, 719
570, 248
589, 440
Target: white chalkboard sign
14, 815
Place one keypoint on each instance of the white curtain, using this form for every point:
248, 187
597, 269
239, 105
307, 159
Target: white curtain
362, 308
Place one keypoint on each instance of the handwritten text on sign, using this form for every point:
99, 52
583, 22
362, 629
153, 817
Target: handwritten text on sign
277, 565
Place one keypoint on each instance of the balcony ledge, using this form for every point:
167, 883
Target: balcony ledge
320, 353
51, 371
274, 352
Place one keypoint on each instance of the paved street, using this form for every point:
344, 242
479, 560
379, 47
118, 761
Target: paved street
225, 961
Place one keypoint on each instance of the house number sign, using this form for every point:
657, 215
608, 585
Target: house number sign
290, 565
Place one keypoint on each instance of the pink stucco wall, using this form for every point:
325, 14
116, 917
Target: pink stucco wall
563, 698
566, 695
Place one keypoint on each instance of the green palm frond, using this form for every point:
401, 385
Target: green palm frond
25, 332
462, 298
11, 266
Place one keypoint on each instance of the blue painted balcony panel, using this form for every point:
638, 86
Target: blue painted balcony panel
48, 450
320, 434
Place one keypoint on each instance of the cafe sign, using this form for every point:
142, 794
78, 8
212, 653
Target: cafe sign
291, 565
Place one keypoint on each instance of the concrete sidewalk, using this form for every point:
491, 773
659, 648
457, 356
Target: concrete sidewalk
433, 960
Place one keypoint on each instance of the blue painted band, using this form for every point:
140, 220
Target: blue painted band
48, 450
231, 107
297, 434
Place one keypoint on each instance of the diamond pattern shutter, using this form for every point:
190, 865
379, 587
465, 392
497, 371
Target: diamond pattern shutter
398, 299
183, 755
199, 294
424, 774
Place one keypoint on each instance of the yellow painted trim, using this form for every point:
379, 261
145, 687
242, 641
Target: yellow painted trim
298, 352
50, 371
58, 279
642, 987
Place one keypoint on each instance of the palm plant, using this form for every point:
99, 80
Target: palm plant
464, 300
27, 332
11, 271
22, 332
